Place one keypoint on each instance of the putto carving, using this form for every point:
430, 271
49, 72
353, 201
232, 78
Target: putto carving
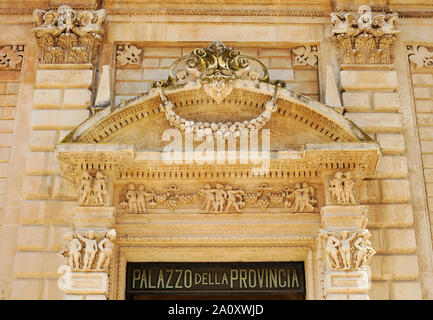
365, 38
128, 54
65, 36
89, 252
137, 201
11, 57
222, 198
420, 56
347, 250
92, 192
299, 198
342, 188
305, 55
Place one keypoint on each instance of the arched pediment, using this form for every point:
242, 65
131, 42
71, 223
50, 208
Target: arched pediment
220, 92
141, 121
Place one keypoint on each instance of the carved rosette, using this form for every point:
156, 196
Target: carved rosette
364, 38
67, 36
128, 54
11, 57
305, 56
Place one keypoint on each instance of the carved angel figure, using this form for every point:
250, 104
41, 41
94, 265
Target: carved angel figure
106, 250
72, 251
99, 187
331, 250
235, 198
85, 188
90, 248
142, 197
131, 198
66, 18
345, 247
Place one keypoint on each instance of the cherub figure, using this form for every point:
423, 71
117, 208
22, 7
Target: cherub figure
45, 23
360, 245
297, 194
331, 250
66, 18
90, 23
209, 198
345, 248
90, 248
235, 198
106, 250
85, 188
99, 187
348, 186
72, 251
131, 198
220, 198
142, 196
336, 188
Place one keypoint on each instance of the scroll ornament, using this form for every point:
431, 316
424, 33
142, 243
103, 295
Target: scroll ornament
88, 252
128, 54
305, 55
216, 68
65, 36
421, 56
11, 56
365, 38
346, 250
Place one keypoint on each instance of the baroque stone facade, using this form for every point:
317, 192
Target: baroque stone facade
142, 139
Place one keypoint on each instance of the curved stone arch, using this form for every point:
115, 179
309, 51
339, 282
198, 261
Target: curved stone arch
313, 115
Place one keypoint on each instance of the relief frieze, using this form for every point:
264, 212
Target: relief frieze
218, 198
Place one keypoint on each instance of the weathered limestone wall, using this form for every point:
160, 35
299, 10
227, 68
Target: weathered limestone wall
60, 102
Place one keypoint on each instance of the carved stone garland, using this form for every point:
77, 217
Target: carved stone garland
65, 36
217, 67
365, 39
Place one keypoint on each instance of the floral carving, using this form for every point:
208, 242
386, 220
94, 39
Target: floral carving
88, 252
365, 39
92, 191
128, 54
342, 188
347, 250
305, 55
65, 36
421, 56
11, 56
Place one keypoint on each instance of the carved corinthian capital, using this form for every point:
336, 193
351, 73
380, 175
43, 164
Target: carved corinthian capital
365, 38
67, 36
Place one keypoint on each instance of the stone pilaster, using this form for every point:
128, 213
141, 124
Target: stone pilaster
89, 248
344, 241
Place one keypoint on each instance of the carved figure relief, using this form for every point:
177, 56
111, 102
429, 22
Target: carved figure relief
89, 252
65, 36
219, 198
347, 250
305, 55
128, 54
420, 56
222, 199
11, 57
137, 201
92, 192
365, 38
342, 188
